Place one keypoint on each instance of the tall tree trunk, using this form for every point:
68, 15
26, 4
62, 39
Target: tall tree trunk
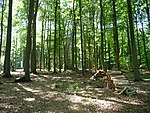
75, 43
33, 54
55, 36
89, 40
134, 50
138, 40
82, 50
116, 42
109, 55
64, 47
42, 48
93, 36
49, 45
129, 44
102, 35
2, 18
73, 37
8, 42
89, 51
28, 43
145, 52
59, 39
148, 13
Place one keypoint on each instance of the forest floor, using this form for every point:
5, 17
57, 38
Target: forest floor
71, 93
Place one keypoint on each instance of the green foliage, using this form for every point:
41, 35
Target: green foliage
91, 29
74, 86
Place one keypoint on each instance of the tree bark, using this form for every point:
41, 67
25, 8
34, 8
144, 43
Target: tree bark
116, 42
59, 38
82, 49
55, 36
42, 48
8, 42
73, 37
134, 50
102, 35
144, 44
2, 18
33, 55
129, 44
148, 13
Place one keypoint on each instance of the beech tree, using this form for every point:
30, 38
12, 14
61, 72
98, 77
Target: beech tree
134, 53
76, 35
7, 63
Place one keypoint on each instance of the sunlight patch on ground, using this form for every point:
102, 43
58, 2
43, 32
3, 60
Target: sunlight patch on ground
143, 92
29, 89
29, 99
17, 72
16, 89
49, 94
60, 78
75, 99
34, 75
83, 91
46, 76
5, 105
123, 101
102, 104
74, 107
40, 79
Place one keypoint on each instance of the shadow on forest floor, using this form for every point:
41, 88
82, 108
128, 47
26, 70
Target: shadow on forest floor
70, 94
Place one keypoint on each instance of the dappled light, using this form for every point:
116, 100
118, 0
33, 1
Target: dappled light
133, 102
29, 99
29, 89
74, 56
58, 92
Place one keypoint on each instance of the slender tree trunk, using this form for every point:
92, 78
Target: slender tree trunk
64, 47
55, 36
148, 13
73, 37
49, 45
59, 39
116, 42
144, 44
89, 51
138, 40
8, 42
67, 49
2, 18
102, 35
33, 54
42, 48
89, 43
109, 55
134, 50
129, 44
93, 31
82, 49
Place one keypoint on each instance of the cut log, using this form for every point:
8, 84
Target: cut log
99, 74
114, 72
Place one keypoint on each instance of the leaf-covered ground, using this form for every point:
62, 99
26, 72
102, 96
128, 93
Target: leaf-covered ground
71, 93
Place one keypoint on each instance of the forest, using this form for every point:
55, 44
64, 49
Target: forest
75, 56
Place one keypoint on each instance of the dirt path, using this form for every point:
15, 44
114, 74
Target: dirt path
69, 94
